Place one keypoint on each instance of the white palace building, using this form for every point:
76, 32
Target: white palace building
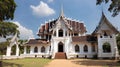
66, 38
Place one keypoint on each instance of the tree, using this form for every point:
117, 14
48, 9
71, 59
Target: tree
114, 6
3, 47
2, 50
7, 28
7, 9
21, 43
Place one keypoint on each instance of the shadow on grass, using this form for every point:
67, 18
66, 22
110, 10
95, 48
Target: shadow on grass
92, 62
6, 64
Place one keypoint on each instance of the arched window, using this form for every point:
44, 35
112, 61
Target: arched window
60, 33
106, 47
42, 49
77, 49
93, 48
35, 49
85, 48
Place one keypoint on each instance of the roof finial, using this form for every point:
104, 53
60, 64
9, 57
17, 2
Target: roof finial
102, 10
103, 15
62, 12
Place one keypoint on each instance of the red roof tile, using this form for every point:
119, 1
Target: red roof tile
36, 41
79, 38
76, 26
84, 38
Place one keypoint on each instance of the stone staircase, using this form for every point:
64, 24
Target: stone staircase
60, 55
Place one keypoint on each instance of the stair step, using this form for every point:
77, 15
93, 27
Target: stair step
60, 55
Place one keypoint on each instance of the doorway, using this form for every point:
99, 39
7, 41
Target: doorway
60, 47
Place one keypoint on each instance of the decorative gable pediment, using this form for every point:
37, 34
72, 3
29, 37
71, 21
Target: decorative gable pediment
105, 26
60, 24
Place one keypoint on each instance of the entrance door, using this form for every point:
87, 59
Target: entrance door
60, 47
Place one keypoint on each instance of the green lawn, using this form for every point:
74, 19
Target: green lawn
27, 62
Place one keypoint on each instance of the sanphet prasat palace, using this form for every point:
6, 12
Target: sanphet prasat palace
66, 38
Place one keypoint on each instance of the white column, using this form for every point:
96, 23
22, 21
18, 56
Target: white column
31, 50
49, 49
48, 37
64, 33
17, 50
73, 33
39, 49
99, 52
8, 53
116, 48
79, 34
57, 33
67, 33
25, 50
116, 53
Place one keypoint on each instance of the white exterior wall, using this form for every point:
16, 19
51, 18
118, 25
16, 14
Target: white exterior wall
81, 54
57, 40
39, 53
69, 46
113, 45
101, 41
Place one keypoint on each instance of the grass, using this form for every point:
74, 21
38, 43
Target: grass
27, 62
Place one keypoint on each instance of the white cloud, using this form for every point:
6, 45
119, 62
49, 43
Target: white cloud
24, 32
42, 9
50, 1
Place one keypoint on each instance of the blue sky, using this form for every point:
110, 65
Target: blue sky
30, 14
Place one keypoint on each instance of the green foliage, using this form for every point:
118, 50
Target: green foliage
114, 6
22, 42
27, 62
28, 49
3, 47
21, 47
13, 50
7, 9
8, 28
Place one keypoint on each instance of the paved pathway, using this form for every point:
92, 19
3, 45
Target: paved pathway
61, 63
82, 63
